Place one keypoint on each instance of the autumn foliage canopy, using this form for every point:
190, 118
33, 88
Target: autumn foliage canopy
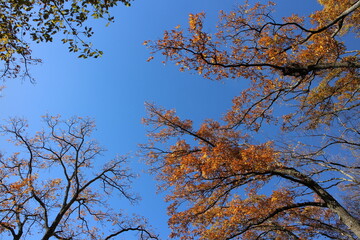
223, 180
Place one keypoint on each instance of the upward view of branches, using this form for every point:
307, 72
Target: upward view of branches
304, 82
38, 21
49, 187
222, 178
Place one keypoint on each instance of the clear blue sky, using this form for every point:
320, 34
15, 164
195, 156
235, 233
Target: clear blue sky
113, 89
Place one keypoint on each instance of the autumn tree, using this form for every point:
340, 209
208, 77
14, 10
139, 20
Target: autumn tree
224, 181
26, 21
58, 187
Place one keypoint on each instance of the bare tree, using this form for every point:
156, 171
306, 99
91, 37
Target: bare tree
55, 188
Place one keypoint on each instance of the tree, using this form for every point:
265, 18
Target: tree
25, 21
224, 180
54, 188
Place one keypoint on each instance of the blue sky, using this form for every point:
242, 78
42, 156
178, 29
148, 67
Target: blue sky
113, 89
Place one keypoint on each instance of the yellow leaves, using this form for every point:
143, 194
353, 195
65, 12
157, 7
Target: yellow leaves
204, 156
256, 158
18, 186
150, 58
209, 178
195, 21
54, 183
61, 194
300, 75
192, 22
332, 9
221, 221
265, 41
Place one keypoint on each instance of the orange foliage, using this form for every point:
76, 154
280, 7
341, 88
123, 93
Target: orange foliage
208, 174
282, 59
53, 189
218, 178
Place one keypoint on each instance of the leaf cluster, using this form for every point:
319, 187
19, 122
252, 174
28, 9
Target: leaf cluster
26, 21
57, 187
304, 84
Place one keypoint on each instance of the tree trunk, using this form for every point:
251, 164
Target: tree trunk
294, 175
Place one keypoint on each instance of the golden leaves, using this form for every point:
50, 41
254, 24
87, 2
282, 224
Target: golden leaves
195, 21
233, 217
52, 187
301, 76
332, 9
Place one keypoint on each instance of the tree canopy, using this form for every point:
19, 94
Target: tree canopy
26, 21
224, 180
57, 185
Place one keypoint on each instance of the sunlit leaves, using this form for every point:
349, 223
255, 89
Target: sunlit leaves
209, 170
42, 21
55, 187
290, 55
304, 84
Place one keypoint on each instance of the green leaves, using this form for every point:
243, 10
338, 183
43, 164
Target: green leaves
41, 21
